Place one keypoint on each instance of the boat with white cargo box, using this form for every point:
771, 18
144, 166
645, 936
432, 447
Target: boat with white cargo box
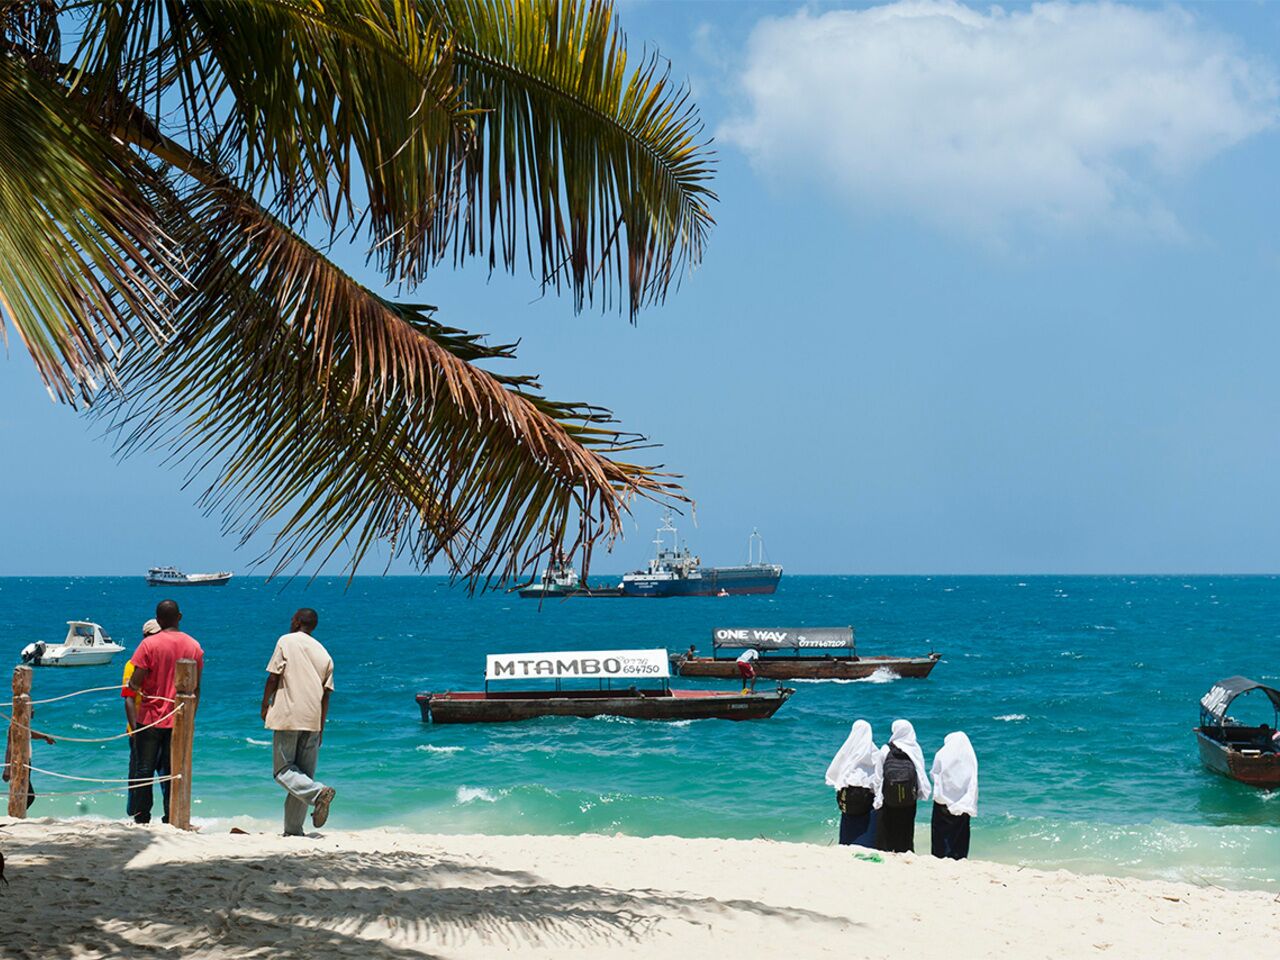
792, 653
655, 701
173, 577
86, 645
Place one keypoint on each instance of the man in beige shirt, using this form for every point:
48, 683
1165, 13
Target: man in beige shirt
295, 705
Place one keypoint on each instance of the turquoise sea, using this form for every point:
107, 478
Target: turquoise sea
1079, 694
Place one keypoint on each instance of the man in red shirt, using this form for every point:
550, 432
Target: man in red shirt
154, 665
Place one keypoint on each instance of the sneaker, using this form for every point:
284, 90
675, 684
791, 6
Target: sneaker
321, 812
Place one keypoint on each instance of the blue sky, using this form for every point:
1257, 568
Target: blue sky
990, 291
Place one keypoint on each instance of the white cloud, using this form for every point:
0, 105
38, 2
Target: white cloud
1054, 116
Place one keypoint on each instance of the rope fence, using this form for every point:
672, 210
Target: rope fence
131, 781
19, 768
118, 736
78, 693
84, 793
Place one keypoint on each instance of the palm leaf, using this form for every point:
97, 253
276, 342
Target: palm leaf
84, 267
348, 419
327, 413
480, 126
604, 169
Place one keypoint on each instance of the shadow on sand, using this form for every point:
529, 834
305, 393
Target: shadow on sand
72, 899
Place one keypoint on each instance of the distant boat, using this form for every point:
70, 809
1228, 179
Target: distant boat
173, 577
86, 645
656, 701
1247, 754
797, 654
675, 572
561, 580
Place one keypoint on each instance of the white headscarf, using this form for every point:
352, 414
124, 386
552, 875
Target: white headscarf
904, 738
955, 775
854, 764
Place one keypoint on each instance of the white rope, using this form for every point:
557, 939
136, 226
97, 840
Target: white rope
65, 696
127, 733
132, 781
81, 793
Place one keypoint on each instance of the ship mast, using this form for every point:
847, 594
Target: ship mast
667, 527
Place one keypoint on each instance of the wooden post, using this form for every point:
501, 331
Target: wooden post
184, 728
20, 742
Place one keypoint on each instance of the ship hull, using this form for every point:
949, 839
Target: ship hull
1256, 769
712, 582
63, 657
203, 582
557, 593
650, 705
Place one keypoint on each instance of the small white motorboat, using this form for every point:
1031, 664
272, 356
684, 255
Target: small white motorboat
86, 646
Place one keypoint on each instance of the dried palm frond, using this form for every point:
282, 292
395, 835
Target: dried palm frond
233, 135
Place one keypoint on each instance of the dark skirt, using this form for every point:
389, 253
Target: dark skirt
950, 833
896, 829
858, 830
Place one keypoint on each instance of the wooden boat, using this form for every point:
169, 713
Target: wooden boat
790, 653
1248, 754
661, 703
604, 668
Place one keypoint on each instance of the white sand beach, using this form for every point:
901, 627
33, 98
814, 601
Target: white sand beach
94, 889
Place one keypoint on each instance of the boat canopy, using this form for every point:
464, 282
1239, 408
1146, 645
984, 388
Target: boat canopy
783, 638
578, 665
1214, 704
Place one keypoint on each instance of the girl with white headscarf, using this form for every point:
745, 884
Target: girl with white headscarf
955, 796
902, 780
853, 774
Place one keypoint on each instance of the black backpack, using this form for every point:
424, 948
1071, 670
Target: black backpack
901, 787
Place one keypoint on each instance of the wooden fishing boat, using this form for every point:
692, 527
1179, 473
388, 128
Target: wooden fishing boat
604, 668
791, 653
1248, 754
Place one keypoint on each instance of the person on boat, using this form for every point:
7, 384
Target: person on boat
854, 775
295, 705
955, 796
747, 667
901, 782
131, 700
691, 653
155, 665
35, 735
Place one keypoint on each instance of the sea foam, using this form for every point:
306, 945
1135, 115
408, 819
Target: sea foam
882, 675
471, 794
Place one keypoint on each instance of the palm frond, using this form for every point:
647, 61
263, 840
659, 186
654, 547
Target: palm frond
604, 171
310, 104
477, 127
84, 265
344, 419
328, 414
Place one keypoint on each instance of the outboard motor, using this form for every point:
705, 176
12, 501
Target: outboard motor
32, 652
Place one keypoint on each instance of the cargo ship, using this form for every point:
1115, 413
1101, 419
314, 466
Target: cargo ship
675, 572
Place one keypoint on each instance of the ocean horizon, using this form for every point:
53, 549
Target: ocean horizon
1079, 693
